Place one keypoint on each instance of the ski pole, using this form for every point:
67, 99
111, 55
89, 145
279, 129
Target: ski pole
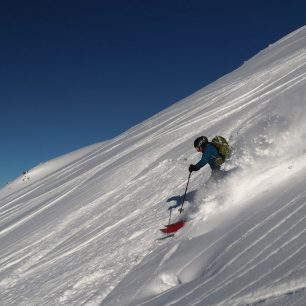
181, 209
170, 216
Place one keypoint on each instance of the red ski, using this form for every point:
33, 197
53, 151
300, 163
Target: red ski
173, 228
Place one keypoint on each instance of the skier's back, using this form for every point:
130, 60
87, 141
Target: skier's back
210, 154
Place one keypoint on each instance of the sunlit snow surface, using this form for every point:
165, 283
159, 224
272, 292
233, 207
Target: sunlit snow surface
82, 229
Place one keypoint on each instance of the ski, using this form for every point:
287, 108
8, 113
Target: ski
165, 237
173, 228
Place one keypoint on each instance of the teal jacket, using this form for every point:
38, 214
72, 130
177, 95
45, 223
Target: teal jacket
209, 156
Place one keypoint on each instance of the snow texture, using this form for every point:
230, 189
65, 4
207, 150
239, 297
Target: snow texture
82, 229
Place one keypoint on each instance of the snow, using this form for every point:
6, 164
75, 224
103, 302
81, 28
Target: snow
82, 229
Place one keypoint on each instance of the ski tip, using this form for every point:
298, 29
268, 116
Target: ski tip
172, 228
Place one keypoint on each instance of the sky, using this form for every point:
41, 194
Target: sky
74, 73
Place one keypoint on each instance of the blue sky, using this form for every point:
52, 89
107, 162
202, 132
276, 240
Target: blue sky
74, 73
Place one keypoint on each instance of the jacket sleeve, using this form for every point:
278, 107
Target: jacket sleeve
203, 161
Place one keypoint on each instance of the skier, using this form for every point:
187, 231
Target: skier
214, 153
210, 155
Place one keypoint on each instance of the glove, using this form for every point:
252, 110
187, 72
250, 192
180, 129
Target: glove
193, 168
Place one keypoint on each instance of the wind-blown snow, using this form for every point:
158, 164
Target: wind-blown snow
82, 229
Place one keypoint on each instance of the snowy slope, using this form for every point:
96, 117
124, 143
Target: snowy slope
82, 229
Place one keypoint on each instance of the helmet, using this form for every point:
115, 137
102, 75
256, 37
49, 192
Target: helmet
200, 142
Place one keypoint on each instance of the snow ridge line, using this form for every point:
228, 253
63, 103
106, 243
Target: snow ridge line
104, 231
229, 279
257, 240
33, 212
60, 189
237, 273
264, 297
193, 290
254, 95
30, 264
277, 282
300, 250
238, 240
201, 299
241, 104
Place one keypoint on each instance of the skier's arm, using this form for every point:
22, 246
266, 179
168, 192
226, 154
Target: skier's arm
203, 161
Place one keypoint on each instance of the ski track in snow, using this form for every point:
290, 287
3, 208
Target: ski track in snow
82, 229
265, 252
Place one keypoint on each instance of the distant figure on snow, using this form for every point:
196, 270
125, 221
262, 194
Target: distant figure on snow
214, 153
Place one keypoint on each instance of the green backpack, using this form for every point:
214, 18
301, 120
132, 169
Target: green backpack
225, 150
